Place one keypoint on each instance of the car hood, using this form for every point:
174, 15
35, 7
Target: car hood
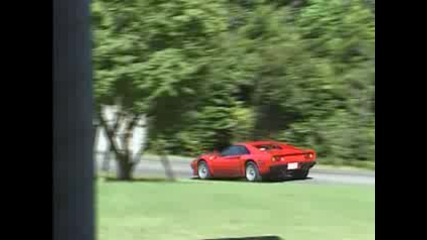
208, 156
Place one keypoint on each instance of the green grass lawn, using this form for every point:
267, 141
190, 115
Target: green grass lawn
213, 209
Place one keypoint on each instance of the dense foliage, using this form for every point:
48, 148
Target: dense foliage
208, 73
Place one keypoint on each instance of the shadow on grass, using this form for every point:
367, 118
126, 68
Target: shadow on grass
250, 238
244, 180
139, 179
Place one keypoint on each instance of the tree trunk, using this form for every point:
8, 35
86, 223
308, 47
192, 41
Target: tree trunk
124, 155
167, 166
160, 148
124, 168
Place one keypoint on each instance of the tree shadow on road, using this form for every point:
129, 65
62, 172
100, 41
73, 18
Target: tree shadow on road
243, 180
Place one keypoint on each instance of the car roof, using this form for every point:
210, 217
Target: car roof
254, 143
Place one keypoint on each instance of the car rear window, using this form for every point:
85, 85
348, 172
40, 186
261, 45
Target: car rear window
267, 147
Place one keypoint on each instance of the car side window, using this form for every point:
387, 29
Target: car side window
230, 151
234, 150
243, 150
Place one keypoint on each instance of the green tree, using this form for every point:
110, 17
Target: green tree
151, 57
206, 74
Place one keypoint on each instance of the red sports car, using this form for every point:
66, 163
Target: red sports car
255, 161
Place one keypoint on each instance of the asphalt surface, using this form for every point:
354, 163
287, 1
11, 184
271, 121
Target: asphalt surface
150, 166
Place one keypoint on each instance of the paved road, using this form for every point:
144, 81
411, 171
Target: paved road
151, 166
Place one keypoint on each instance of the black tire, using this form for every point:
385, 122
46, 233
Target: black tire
301, 174
252, 173
203, 170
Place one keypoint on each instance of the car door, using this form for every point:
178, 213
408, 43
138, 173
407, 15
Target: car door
235, 161
228, 164
221, 164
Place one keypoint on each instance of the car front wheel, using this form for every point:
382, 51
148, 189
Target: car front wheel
203, 170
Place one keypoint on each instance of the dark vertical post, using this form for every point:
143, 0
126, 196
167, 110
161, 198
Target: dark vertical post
73, 171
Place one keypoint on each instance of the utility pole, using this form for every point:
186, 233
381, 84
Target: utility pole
73, 170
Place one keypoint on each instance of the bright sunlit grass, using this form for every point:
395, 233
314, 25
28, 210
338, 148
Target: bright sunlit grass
212, 209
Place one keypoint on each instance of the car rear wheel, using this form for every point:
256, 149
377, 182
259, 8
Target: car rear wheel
203, 170
252, 172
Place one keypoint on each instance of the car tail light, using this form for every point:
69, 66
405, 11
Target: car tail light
278, 158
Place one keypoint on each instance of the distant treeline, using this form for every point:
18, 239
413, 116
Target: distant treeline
209, 73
